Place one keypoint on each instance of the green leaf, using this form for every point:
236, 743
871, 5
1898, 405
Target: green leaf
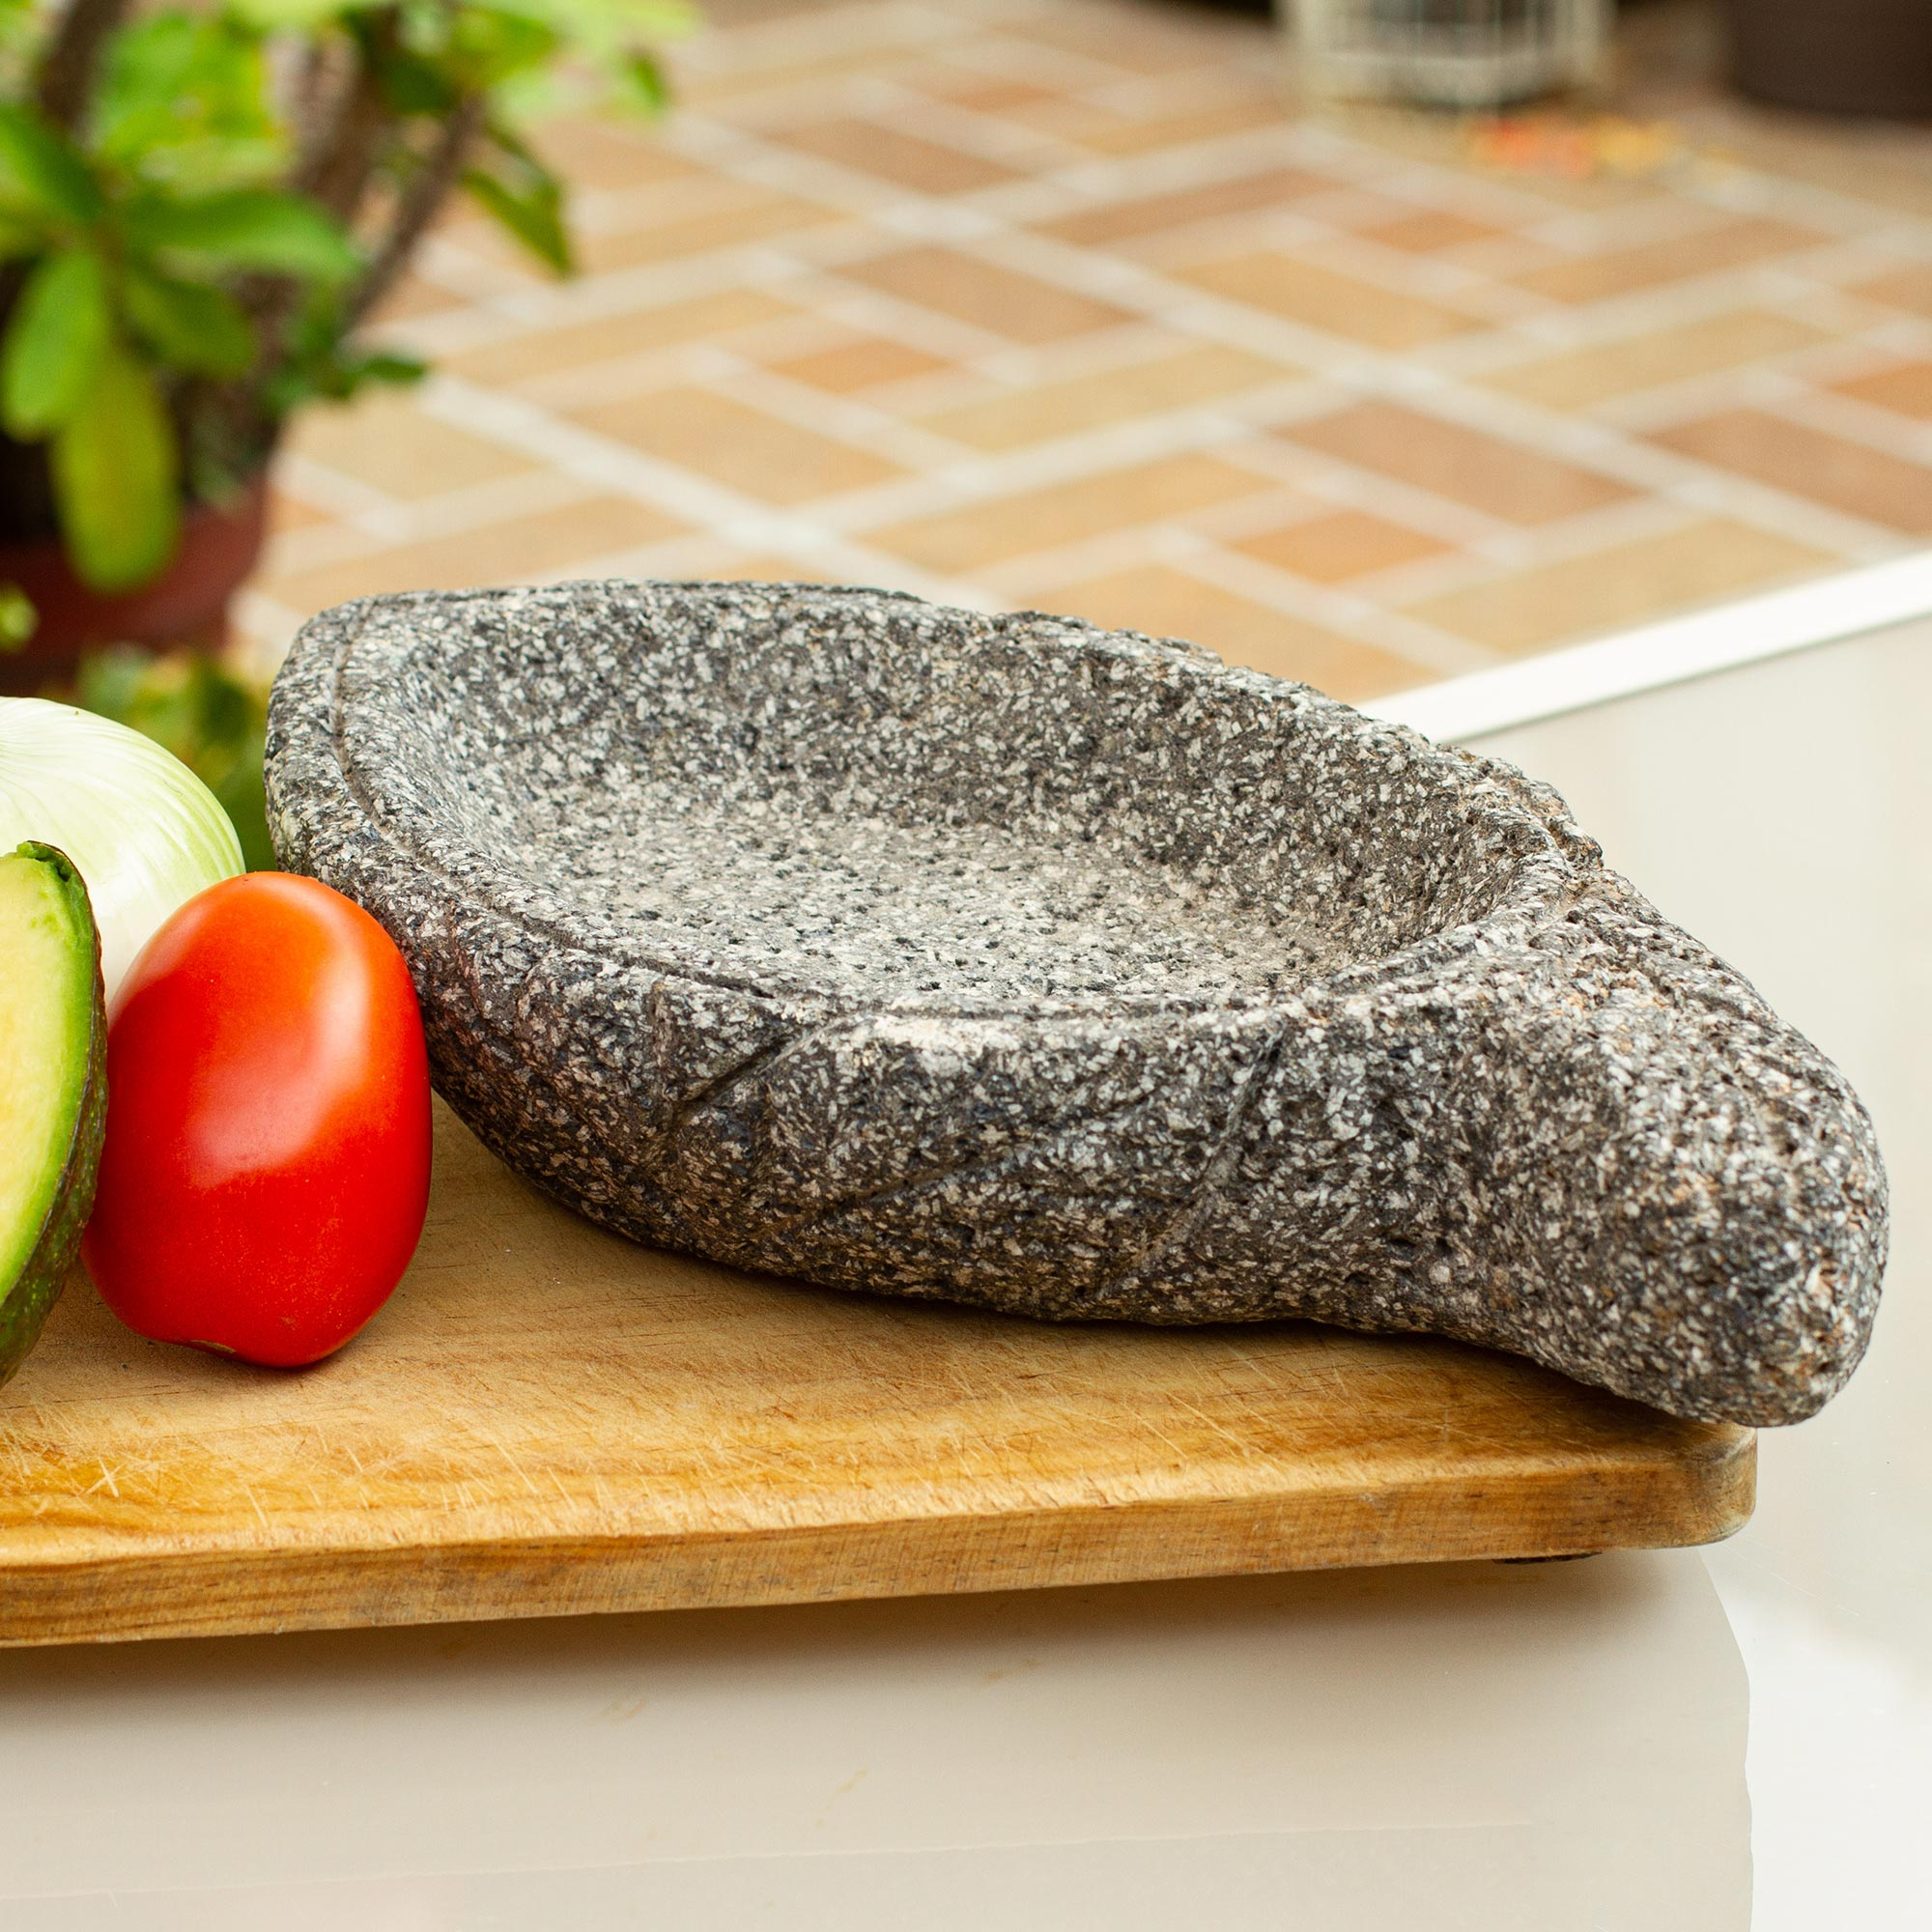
531, 209
648, 82
186, 98
318, 362
247, 228
272, 14
19, 237
601, 46
412, 81
43, 170
488, 45
397, 370
116, 469
55, 342
189, 326
19, 619
602, 26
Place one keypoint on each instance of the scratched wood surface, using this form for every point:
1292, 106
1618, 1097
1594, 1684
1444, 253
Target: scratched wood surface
548, 1419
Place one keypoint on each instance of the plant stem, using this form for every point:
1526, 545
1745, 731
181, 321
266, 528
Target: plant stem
344, 126
416, 208
308, 78
66, 78
340, 155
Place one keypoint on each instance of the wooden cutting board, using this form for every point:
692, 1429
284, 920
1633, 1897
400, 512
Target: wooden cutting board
548, 1419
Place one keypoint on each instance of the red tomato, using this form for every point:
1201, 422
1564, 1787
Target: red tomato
267, 1165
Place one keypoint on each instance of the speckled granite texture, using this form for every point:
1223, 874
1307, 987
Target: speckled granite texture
1010, 962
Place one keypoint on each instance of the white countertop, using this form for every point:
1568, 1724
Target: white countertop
1600, 1745
1783, 813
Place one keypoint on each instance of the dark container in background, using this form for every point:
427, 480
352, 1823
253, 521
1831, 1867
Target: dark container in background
1837, 56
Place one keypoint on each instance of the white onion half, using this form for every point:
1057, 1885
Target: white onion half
144, 832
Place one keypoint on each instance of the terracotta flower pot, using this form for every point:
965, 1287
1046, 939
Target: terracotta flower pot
187, 604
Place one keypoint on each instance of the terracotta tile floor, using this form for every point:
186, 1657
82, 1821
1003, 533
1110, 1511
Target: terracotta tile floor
1063, 304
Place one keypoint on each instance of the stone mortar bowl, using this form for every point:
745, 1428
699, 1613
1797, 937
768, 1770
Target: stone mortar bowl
1073, 973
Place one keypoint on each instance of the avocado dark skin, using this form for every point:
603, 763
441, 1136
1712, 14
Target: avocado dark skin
24, 1303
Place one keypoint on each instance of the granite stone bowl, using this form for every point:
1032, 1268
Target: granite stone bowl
1073, 973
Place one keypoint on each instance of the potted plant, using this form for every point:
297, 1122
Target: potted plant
200, 207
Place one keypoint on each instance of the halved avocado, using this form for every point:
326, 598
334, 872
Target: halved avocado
53, 1085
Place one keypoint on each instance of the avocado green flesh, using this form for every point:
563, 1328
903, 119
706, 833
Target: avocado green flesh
53, 1089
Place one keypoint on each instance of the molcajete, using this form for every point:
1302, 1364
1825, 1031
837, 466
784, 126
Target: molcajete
1073, 973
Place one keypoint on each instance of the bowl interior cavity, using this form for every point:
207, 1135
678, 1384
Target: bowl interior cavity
897, 803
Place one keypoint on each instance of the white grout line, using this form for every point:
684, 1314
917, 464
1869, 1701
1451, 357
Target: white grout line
266, 626
1671, 652
809, 530
332, 490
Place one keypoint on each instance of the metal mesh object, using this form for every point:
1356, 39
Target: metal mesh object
1452, 53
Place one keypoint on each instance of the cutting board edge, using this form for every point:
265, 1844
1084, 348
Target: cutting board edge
1697, 1499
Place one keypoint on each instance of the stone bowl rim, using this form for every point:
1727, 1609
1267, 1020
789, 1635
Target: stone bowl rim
1539, 877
